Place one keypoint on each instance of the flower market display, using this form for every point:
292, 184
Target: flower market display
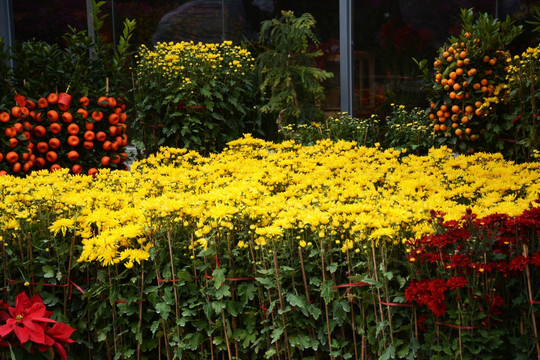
268, 250
409, 236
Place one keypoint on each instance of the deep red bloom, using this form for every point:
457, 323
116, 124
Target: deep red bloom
456, 282
519, 263
422, 322
433, 257
428, 292
460, 261
493, 220
495, 302
535, 259
441, 240
501, 266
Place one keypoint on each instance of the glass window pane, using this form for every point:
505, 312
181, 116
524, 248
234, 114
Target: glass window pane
47, 20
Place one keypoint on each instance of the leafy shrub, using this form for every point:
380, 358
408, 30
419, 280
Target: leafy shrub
343, 127
522, 121
408, 130
194, 96
291, 83
86, 66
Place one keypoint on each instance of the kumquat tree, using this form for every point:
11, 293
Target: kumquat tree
469, 84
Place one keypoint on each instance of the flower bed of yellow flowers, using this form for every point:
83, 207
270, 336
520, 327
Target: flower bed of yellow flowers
242, 252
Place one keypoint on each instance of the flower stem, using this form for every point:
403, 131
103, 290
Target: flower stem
306, 289
177, 310
528, 274
325, 304
281, 305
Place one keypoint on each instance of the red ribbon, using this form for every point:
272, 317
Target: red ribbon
516, 118
119, 301
508, 140
533, 302
164, 280
180, 106
359, 283
232, 279
458, 326
153, 127
396, 304
71, 285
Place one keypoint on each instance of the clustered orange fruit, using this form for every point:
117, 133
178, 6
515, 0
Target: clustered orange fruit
464, 75
53, 133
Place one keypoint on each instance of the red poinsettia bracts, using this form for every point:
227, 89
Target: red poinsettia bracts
29, 321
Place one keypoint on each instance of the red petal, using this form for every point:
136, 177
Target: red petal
6, 328
61, 332
22, 335
60, 350
22, 300
35, 311
37, 334
36, 299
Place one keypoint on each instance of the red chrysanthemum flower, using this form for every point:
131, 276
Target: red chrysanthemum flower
428, 292
519, 263
457, 282
535, 259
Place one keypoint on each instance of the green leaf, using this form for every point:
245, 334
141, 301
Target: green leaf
155, 326
205, 91
389, 275
298, 301
270, 353
48, 271
332, 268
218, 277
223, 291
404, 350
194, 339
314, 311
303, 342
327, 293
276, 334
163, 309
266, 282
388, 353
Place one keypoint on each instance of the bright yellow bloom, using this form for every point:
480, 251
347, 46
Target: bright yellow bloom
62, 225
